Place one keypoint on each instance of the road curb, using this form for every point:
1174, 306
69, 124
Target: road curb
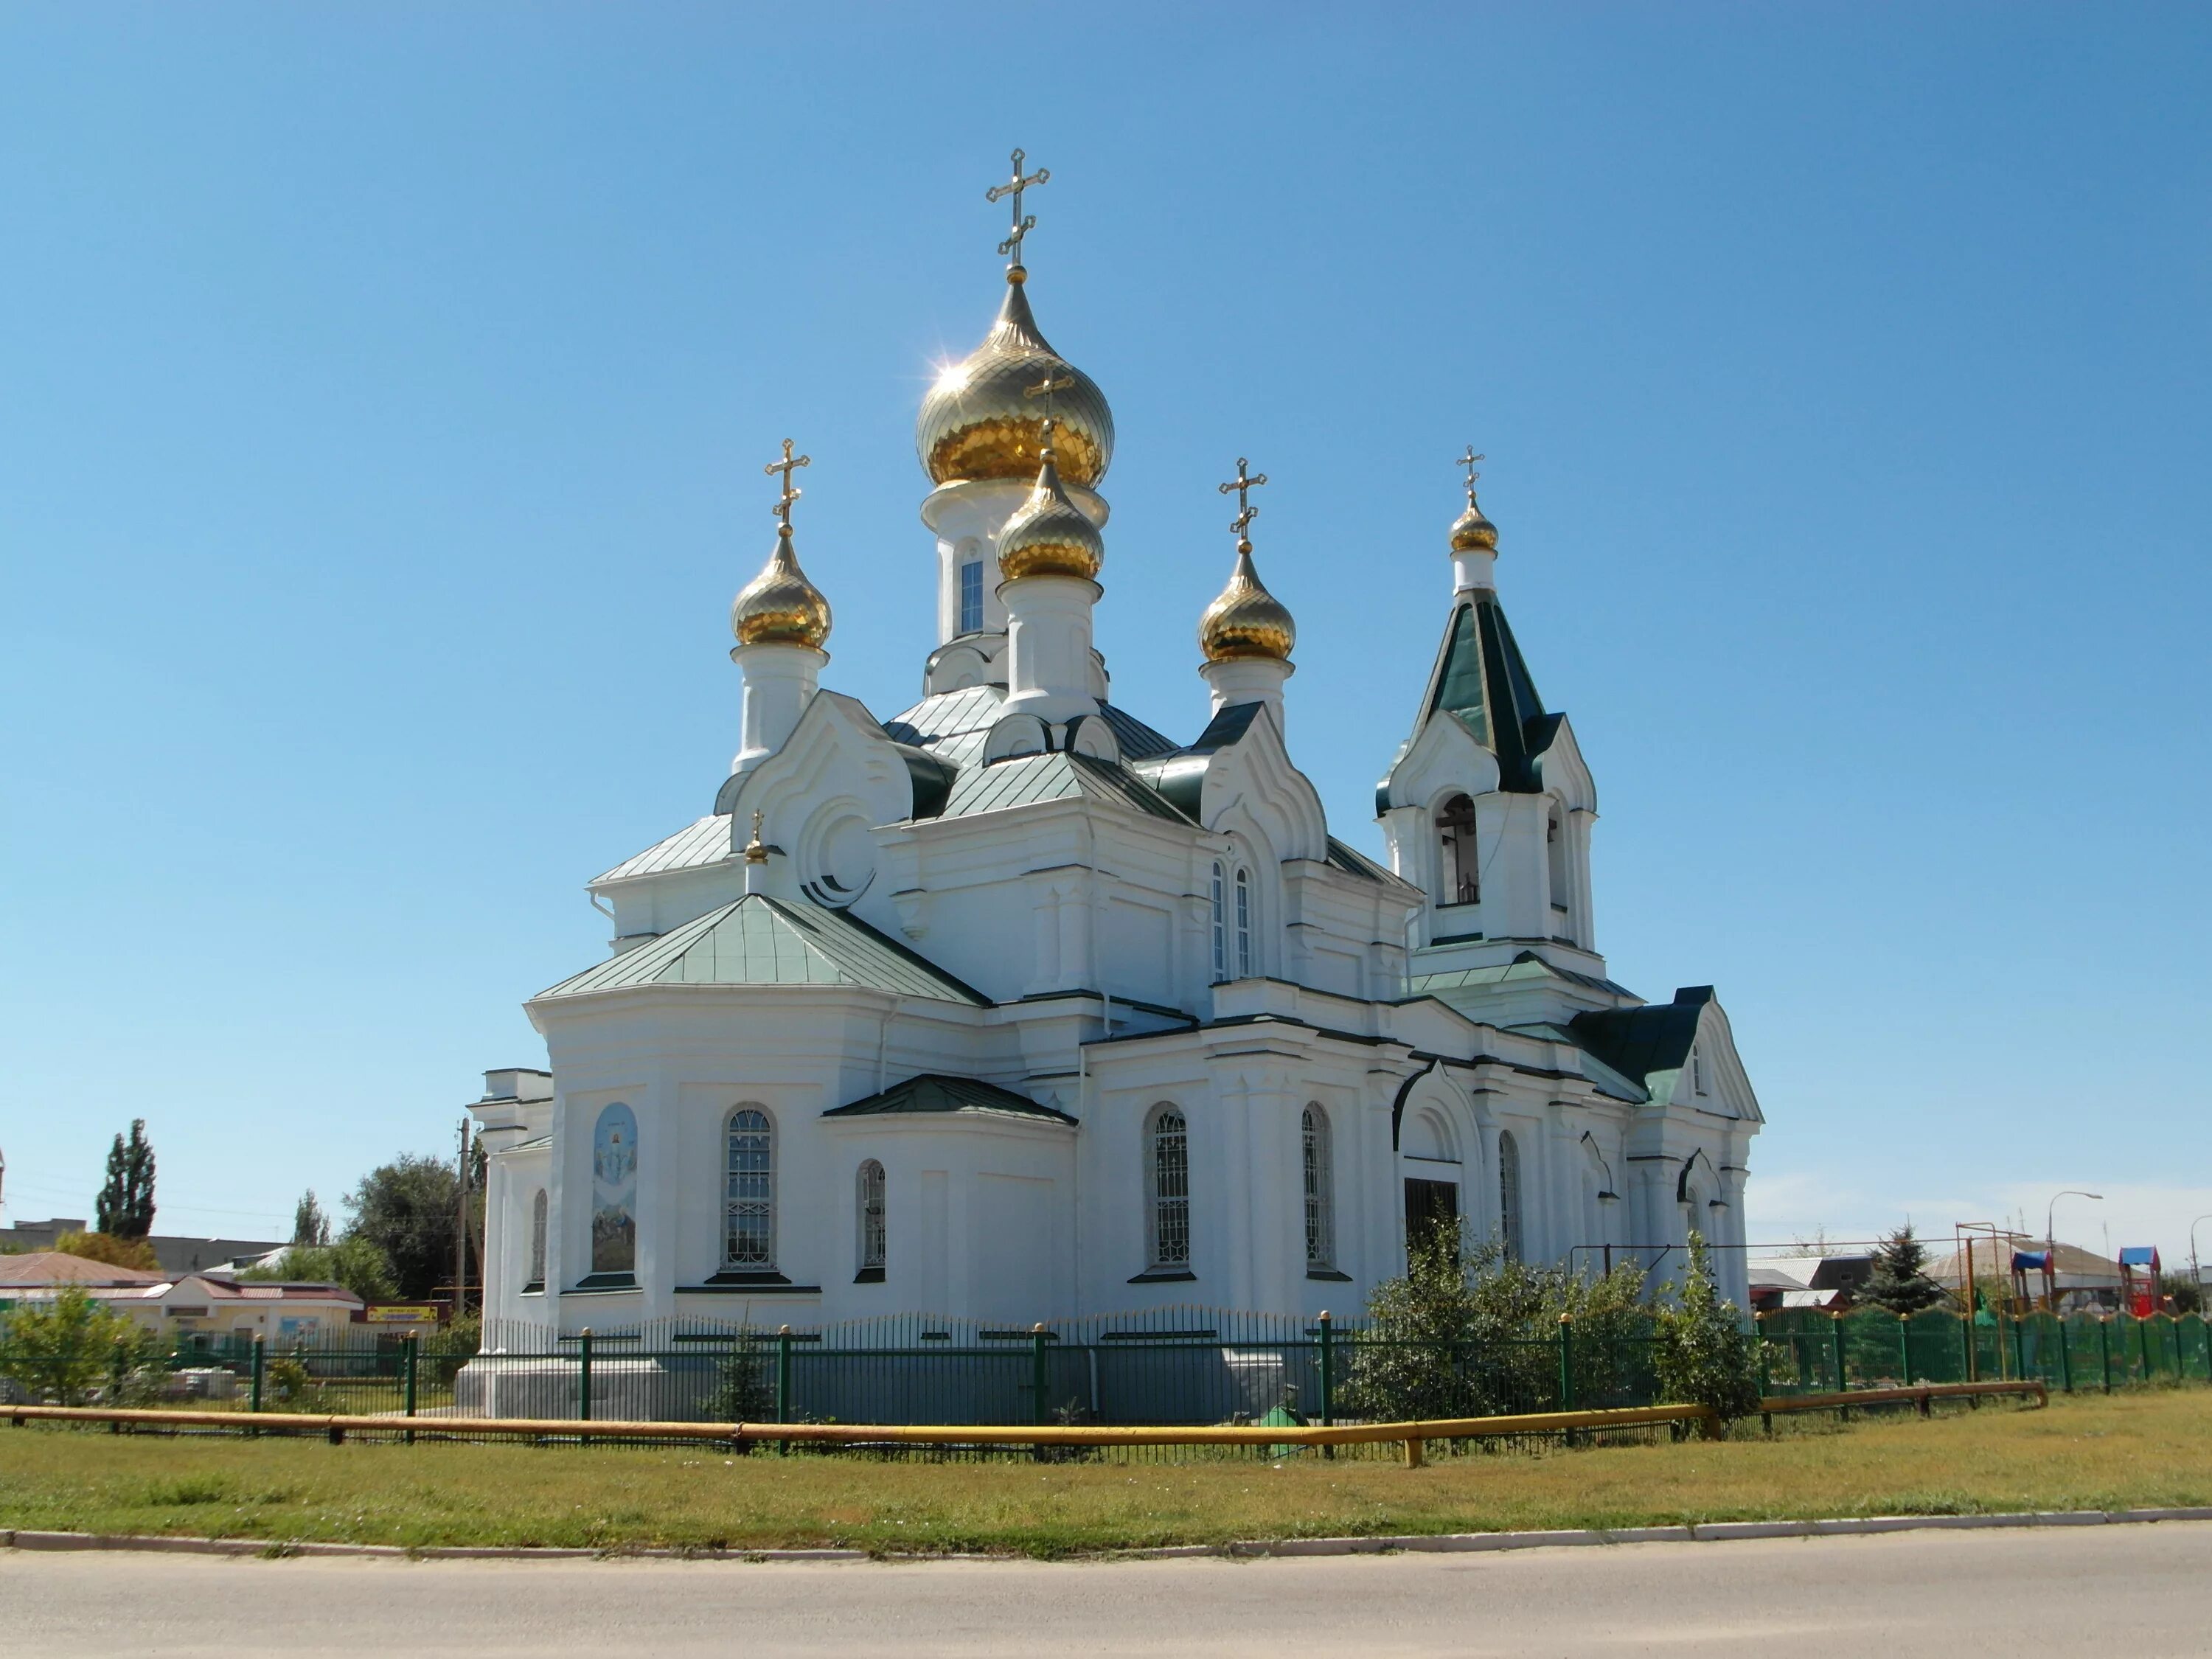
1702, 1532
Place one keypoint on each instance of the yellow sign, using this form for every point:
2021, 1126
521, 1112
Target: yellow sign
399, 1316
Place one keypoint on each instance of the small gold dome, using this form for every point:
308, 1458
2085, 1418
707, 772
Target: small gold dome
780, 606
1246, 620
1473, 534
978, 420
1049, 535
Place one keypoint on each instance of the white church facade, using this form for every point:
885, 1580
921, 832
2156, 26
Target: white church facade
1010, 1007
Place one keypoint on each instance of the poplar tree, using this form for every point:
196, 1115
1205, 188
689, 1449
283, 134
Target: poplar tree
125, 1204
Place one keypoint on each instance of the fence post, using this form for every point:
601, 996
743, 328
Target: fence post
1040, 1377
2065, 1355
114, 1382
1967, 1346
2143, 1343
254, 1377
2019, 1349
1327, 1378
584, 1376
1842, 1382
410, 1357
1905, 1346
2105, 1350
783, 1384
1765, 1380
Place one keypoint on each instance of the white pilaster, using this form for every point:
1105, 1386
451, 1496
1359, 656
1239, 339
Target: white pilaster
1048, 659
780, 680
1247, 679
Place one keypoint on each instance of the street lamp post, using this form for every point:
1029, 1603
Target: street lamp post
2050, 1240
2196, 1272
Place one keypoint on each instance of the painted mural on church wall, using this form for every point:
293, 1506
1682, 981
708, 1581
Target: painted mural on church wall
614, 1191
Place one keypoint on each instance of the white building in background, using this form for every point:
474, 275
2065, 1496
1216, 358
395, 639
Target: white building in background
1009, 1006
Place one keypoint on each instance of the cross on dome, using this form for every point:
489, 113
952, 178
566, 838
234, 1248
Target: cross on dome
1467, 461
786, 466
1245, 511
1014, 187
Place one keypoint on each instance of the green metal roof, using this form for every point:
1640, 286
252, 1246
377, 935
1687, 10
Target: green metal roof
705, 840
1062, 776
763, 941
1525, 966
1482, 681
1650, 1044
934, 1092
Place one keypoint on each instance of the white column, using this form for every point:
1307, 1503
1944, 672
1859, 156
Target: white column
1048, 646
1475, 571
1247, 679
779, 682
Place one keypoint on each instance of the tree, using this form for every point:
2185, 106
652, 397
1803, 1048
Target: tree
107, 1247
125, 1205
407, 1209
1704, 1357
353, 1262
68, 1348
1899, 1281
309, 1224
2188, 1296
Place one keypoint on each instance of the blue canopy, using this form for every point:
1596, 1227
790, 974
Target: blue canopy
2140, 1255
2031, 1261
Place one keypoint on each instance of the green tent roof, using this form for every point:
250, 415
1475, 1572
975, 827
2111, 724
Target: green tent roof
763, 941
1650, 1044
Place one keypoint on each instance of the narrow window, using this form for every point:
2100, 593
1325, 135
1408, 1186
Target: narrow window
1462, 882
535, 1281
1220, 925
971, 597
871, 1220
1170, 1172
1243, 924
749, 1193
1320, 1224
1555, 854
1697, 1071
1508, 1194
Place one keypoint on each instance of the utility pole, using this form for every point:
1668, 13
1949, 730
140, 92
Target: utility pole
461, 1231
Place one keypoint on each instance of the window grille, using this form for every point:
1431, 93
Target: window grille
1170, 1184
1319, 1222
971, 597
871, 1215
749, 1193
1243, 925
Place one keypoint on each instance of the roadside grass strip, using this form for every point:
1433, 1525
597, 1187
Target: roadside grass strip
2143, 1450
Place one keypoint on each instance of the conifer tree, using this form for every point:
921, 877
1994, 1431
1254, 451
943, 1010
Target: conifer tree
310, 1225
125, 1204
1899, 1281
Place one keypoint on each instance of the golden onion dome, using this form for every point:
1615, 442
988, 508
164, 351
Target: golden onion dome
1048, 535
982, 419
1473, 534
1246, 620
780, 606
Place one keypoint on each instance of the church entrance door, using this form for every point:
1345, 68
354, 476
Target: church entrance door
1430, 1204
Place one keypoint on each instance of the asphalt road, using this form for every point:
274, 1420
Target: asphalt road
2144, 1591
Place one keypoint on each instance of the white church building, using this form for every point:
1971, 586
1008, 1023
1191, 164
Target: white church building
1008, 1006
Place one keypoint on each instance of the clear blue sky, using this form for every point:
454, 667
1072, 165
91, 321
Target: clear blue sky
384, 390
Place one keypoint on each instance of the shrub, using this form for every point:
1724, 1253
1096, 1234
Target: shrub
71, 1348
1705, 1356
108, 1249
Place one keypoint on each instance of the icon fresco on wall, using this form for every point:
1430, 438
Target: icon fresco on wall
614, 1191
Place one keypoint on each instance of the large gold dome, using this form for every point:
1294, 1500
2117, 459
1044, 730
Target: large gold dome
780, 606
1246, 620
978, 420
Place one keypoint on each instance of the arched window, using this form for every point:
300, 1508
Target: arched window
871, 1222
1243, 923
1167, 1183
749, 1193
1321, 1220
535, 1280
971, 597
1508, 1194
1220, 923
1462, 878
614, 1194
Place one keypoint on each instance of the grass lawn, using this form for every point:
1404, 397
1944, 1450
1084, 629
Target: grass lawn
2152, 1447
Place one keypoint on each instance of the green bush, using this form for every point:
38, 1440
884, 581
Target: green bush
71, 1348
1705, 1356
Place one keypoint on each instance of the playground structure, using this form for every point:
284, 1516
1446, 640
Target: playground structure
2139, 1273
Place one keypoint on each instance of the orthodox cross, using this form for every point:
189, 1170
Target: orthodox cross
782, 508
755, 852
1245, 511
1014, 187
1467, 461
1044, 389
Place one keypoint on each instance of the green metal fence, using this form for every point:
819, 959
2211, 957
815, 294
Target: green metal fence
1164, 1366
